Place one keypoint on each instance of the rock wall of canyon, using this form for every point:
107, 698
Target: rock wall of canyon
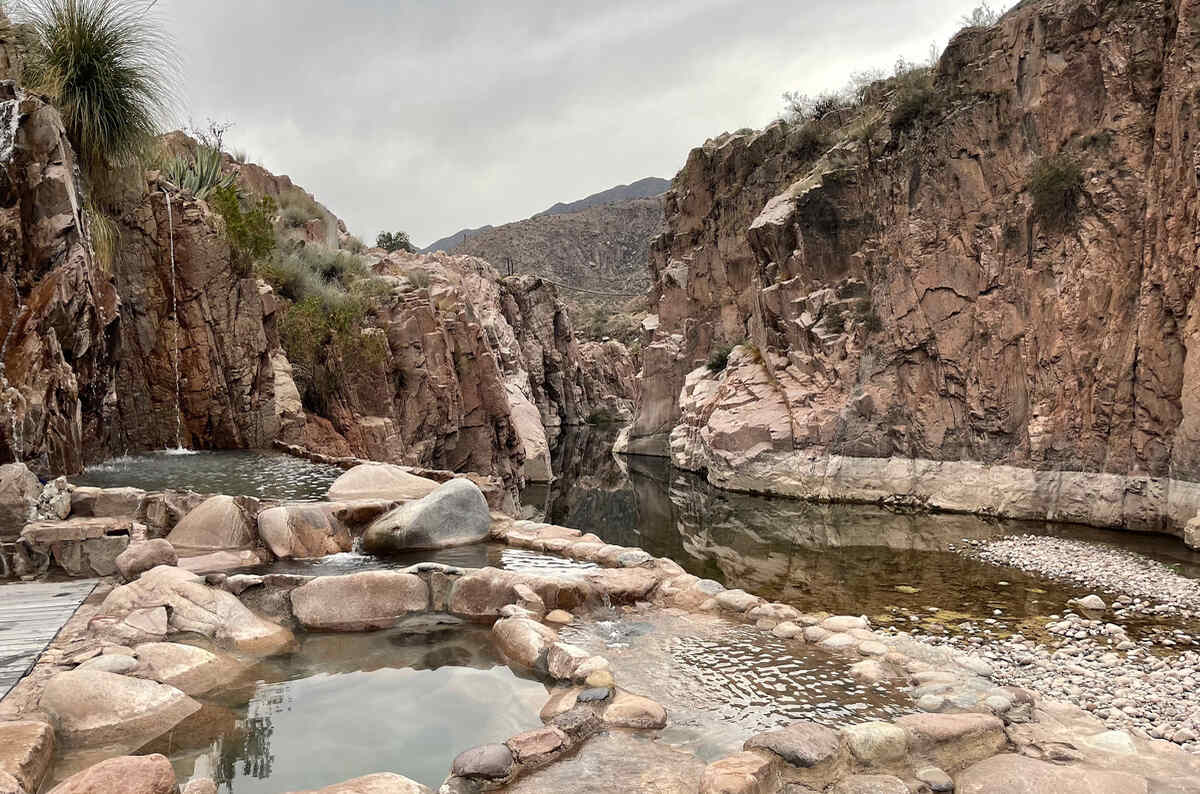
187, 310
175, 343
58, 308
476, 373
910, 329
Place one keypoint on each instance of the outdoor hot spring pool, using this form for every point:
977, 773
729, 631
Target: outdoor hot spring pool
347, 705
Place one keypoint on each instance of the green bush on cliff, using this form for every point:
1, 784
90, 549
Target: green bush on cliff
107, 66
915, 99
1055, 184
248, 226
718, 360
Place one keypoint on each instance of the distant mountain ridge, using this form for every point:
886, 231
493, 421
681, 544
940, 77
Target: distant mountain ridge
643, 188
450, 242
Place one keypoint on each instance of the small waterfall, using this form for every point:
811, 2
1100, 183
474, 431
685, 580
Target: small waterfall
175, 322
10, 123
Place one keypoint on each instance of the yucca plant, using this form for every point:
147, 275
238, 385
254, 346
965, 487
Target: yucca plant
200, 175
108, 67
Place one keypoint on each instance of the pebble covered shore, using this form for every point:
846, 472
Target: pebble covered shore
1148, 684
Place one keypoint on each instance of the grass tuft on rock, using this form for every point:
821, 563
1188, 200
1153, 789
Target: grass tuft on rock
1055, 185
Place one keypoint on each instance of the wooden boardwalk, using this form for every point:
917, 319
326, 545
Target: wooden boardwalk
30, 617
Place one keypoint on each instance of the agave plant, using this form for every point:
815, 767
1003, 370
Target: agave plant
199, 175
108, 67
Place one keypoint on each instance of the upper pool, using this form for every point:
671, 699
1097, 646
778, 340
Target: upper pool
264, 474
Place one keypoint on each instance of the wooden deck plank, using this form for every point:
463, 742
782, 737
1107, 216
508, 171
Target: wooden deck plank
31, 615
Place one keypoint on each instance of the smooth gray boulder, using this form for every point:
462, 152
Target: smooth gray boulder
453, 515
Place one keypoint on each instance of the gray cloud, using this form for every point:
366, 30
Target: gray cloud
430, 116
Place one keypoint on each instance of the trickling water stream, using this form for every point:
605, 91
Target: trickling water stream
175, 326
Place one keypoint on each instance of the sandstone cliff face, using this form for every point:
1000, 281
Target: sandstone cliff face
472, 372
58, 311
198, 313
913, 329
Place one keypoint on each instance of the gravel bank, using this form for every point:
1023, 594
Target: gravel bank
1151, 587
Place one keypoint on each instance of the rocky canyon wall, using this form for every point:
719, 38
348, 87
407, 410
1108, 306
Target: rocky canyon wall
474, 372
188, 311
58, 308
908, 328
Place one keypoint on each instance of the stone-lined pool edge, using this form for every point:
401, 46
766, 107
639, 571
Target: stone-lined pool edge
518, 604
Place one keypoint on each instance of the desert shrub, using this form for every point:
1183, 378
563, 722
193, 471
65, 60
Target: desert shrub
1055, 184
982, 16
298, 271
800, 108
354, 245
201, 174
294, 217
418, 277
718, 360
239, 155
915, 99
297, 208
395, 241
319, 333
107, 66
247, 226
808, 142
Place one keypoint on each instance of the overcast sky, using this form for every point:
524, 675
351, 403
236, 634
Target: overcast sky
434, 115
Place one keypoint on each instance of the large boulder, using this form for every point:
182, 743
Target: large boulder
188, 605
26, 749
143, 556
19, 492
189, 669
379, 481
300, 531
383, 783
453, 515
130, 774
219, 522
90, 707
359, 602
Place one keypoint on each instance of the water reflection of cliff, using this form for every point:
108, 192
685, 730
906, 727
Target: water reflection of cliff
830, 556
264, 733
